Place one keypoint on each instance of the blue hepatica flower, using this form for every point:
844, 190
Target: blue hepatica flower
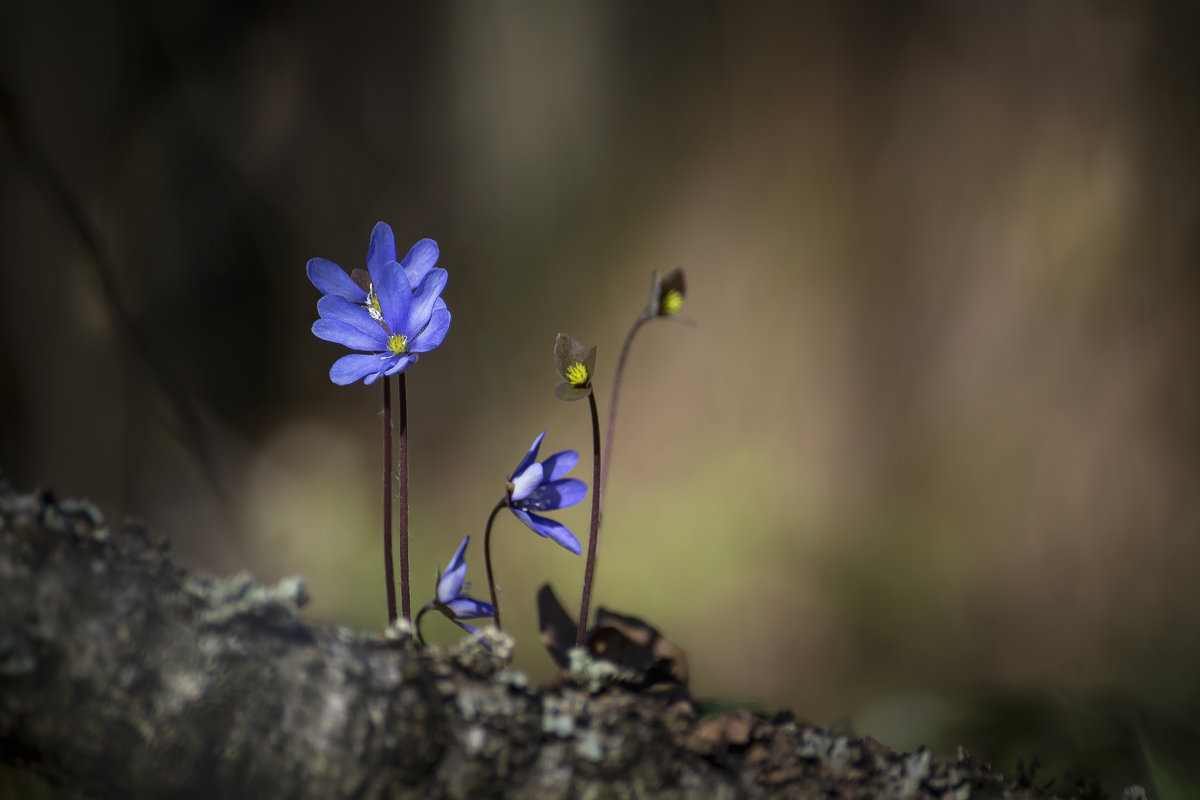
540, 487
397, 315
451, 592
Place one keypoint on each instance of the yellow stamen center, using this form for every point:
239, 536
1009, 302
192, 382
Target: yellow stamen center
398, 343
672, 301
577, 374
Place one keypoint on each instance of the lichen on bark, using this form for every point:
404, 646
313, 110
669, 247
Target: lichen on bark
124, 675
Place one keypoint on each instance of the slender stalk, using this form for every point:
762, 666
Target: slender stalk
404, 606
612, 405
487, 559
417, 624
593, 534
388, 572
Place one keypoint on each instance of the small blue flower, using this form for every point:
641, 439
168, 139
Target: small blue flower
452, 585
540, 487
397, 316
451, 595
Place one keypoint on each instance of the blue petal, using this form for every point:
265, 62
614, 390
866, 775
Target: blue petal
456, 572
356, 366
451, 583
395, 296
423, 299
434, 333
420, 259
471, 630
531, 456
333, 330
339, 308
400, 364
559, 464
330, 279
556, 494
543, 526
382, 249
526, 481
459, 557
469, 608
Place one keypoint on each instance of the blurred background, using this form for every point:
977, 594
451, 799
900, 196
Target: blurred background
927, 466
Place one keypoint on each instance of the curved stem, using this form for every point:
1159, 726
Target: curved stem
404, 607
593, 534
612, 405
417, 623
487, 560
389, 573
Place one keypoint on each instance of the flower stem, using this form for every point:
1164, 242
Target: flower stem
612, 406
404, 606
417, 624
487, 560
389, 575
593, 534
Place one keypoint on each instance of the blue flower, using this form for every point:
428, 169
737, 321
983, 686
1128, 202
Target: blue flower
451, 595
451, 586
395, 317
331, 279
540, 487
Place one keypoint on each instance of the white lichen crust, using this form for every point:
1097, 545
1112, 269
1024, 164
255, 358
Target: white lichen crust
123, 675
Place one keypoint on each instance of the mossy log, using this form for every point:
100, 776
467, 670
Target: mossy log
124, 675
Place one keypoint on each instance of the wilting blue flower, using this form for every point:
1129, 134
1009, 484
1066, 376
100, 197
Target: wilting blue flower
451, 590
540, 487
398, 315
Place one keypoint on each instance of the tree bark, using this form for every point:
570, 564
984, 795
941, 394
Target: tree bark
124, 675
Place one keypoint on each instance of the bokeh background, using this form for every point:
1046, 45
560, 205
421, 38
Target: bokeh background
926, 468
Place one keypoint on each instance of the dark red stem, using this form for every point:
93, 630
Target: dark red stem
487, 560
389, 573
404, 605
593, 534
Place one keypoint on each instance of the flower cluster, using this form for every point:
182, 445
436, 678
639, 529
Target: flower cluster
397, 315
393, 312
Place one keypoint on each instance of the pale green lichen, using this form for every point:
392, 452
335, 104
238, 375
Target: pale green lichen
814, 744
558, 716
916, 769
401, 629
482, 700
594, 673
240, 595
467, 708
82, 508
839, 756
513, 677
589, 746
473, 740
502, 643
54, 520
